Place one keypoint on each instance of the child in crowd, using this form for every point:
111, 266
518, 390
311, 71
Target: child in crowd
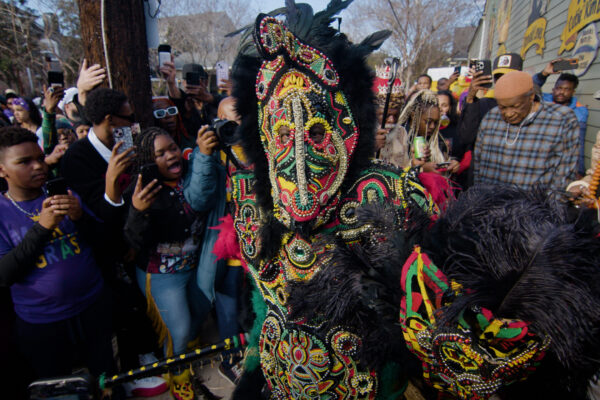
166, 233
46, 260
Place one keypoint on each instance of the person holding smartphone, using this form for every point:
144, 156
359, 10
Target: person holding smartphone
474, 108
421, 118
46, 259
166, 234
196, 105
563, 93
93, 166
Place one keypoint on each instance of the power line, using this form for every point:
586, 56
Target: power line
395, 15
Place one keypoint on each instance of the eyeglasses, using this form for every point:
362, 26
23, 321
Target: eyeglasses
130, 117
163, 112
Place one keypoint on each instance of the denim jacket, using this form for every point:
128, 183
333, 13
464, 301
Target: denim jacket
204, 190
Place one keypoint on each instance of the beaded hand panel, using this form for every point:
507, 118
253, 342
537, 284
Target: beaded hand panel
477, 356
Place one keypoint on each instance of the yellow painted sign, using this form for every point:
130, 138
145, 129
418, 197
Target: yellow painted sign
535, 35
581, 13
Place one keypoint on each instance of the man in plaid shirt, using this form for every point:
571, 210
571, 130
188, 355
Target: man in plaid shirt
526, 142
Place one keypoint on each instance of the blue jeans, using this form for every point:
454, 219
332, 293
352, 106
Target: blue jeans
181, 304
226, 297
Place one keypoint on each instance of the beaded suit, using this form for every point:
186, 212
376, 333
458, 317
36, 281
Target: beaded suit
351, 273
311, 175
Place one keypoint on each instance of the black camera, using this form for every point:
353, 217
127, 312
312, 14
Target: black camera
227, 131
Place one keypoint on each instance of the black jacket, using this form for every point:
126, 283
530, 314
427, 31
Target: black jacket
85, 171
470, 119
165, 221
468, 126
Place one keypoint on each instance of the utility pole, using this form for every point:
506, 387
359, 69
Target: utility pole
120, 48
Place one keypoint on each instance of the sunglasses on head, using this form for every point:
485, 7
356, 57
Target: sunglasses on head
163, 112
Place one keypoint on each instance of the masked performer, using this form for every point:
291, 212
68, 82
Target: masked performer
308, 119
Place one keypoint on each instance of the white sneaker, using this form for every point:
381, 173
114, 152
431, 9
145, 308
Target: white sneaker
145, 387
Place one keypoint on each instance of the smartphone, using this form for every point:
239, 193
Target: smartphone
56, 78
482, 65
56, 186
457, 70
123, 134
164, 54
565, 65
149, 173
222, 69
192, 78
442, 164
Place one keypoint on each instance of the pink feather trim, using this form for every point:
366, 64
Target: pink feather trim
227, 246
439, 187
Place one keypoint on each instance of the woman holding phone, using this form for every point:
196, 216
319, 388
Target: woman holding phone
166, 233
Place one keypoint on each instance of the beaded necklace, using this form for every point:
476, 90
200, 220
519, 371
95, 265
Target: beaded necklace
527, 118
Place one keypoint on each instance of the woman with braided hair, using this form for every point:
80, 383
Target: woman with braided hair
166, 233
421, 117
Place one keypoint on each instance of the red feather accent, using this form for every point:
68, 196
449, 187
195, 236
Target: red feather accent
227, 246
439, 187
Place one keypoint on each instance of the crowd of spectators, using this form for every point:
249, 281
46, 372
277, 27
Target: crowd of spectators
125, 251
116, 270
501, 130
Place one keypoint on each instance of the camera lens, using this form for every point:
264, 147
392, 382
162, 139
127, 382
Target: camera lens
226, 131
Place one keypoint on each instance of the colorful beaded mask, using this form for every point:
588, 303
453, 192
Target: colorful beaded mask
474, 358
306, 126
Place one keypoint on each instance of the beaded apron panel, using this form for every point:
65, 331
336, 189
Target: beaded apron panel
298, 360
